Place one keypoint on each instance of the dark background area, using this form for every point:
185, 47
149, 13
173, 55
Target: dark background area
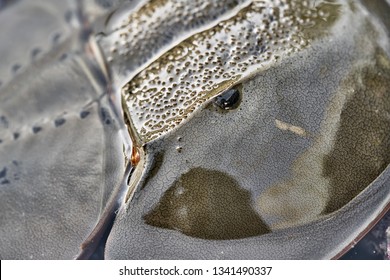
374, 245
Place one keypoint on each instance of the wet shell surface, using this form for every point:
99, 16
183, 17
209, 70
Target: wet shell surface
167, 129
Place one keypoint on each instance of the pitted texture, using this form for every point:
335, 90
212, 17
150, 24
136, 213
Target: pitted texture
164, 94
135, 39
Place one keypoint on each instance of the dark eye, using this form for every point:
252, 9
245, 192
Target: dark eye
229, 99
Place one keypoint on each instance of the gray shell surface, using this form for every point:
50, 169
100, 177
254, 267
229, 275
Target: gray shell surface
262, 128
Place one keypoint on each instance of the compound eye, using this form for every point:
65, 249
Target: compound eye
229, 99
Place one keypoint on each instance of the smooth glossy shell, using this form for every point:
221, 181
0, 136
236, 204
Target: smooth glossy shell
294, 166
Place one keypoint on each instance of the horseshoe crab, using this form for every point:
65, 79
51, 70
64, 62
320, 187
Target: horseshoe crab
237, 129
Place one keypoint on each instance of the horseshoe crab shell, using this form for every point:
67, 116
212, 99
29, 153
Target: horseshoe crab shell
260, 129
